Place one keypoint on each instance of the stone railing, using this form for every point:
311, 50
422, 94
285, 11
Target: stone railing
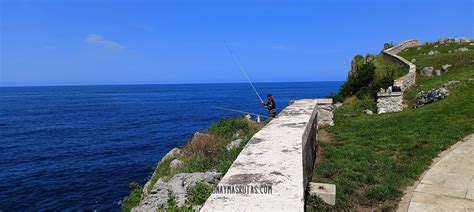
393, 101
272, 171
408, 80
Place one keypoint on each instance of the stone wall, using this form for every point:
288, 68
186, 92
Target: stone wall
409, 79
402, 46
393, 101
280, 155
389, 102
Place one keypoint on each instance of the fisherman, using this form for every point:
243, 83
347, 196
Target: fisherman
270, 106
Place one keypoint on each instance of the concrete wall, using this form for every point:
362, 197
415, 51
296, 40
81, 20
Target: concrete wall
409, 79
280, 155
325, 112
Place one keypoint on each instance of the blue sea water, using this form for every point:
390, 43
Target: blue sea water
79, 147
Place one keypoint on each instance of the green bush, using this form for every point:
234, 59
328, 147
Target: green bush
133, 199
359, 83
387, 45
227, 127
199, 193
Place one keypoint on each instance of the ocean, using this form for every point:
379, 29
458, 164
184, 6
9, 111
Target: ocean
79, 147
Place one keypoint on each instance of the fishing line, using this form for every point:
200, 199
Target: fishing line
238, 111
244, 72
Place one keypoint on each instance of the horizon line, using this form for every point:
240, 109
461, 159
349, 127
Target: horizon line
184, 83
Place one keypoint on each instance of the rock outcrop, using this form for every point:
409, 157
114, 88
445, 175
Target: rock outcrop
427, 71
178, 186
433, 95
175, 164
233, 144
175, 152
454, 40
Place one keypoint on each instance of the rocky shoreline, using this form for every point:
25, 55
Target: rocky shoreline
172, 185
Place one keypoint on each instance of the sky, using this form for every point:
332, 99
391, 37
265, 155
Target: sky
88, 42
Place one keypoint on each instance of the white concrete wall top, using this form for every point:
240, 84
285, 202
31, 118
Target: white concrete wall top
273, 156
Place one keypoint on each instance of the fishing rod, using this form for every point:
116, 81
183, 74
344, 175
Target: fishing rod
238, 111
244, 72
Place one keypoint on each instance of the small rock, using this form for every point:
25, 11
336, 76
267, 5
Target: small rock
175, 163
238, 133
200, 136
445, 67
248, 117
427, 71
337, 105
418, 48
368, 112
172, 153
197, 207
413, 60
389, 89
443, 40
471, 44
233, 144
463, 49
437, 72
450, 51
452, 82
436, 46
465, 40
433, 52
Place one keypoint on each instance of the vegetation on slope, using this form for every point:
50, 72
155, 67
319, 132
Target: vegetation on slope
375, 157
203, 154
368, 75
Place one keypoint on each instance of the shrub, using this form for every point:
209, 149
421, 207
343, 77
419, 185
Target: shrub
199, 193
227, 127
358, 82
204, 144
171, 200
387, 45
133, 199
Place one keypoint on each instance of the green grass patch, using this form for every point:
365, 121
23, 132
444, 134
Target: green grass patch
133, 199
375, 157
387, 68
199, 193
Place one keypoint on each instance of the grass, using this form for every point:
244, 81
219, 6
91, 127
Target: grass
375, 157
462, 63
199, 193
133, 198
207, 152
386, 67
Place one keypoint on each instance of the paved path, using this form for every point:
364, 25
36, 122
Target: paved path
449, 184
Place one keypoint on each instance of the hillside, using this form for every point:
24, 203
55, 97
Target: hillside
372, 158
186, 175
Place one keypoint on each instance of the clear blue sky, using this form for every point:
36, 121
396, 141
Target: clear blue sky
59, 42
